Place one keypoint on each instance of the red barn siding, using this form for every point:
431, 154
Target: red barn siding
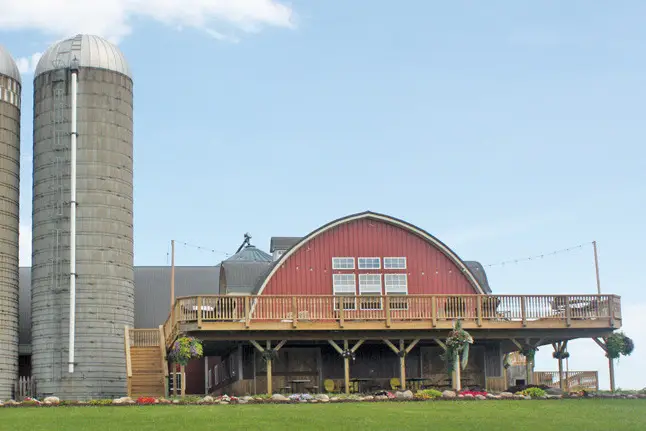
309, 270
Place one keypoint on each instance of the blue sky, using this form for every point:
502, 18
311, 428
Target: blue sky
506, 129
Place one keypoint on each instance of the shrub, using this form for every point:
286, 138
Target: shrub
428, 394
534, 392
100, 402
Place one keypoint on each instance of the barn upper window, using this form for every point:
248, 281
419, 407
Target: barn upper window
370, 284
343, 263
345, 284
396, 283
394, 263
369, 263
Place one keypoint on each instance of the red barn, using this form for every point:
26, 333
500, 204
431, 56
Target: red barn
365, 303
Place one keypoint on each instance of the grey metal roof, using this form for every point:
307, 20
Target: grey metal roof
282, 242
8, 66
479, 273
90, 51
250, 254
242, 277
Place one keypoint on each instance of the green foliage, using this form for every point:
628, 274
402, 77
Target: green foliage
619, 344
184, 349
457, 344
560, 355
529, 353
534, 392
100, 402
428, 394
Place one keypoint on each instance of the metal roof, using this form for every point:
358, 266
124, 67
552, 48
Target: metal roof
282, 242
479, 273
8, 66
250, 254
242, 278
88, 50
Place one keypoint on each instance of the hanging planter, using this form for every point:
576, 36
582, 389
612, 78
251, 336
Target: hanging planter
185, 349
560, 355
529, 353
457, 346
618, 344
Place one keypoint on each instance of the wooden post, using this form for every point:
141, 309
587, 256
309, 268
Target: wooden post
402, 364
199, 312
172, 273
596, 267
611, 369
182, 371
346, 368
457, 378
269, 375
174, 368
294, 312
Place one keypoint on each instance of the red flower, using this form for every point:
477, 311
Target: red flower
146, 400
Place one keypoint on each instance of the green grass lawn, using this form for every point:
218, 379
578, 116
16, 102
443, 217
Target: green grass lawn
585, 415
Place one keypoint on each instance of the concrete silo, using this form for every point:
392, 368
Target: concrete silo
82, 245
9, 194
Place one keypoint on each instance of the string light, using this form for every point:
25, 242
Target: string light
538, 256
201, 248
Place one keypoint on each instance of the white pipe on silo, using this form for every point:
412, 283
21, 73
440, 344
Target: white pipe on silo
73, 136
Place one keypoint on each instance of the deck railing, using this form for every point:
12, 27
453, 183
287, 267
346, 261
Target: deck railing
144, 337
393, 309
573, 380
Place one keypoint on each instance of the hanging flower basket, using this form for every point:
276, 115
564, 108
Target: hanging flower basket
185, 349
618, 344
457, 343
529, 353
560, 355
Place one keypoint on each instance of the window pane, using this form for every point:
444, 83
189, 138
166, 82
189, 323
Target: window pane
369, 263
344, 283
396, 283
343, 263
370, 284
394, 263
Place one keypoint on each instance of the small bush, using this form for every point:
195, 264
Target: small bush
100, 402
428, 394
534, 392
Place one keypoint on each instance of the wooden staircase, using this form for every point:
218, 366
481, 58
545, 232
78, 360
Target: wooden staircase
146, 364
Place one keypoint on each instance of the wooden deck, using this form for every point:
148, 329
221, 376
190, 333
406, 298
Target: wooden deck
310, 314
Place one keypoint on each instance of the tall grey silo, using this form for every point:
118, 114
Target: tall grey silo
10, 88
103, 220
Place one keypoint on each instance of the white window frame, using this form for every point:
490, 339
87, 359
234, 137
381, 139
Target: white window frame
359, 261
388, 262
390, 294
372, 299
346, 259
346, 302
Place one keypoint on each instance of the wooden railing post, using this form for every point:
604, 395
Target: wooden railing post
294, 312
247, 312
479, 310
341, 310
164, 359
199, 312
523, 311
126, 339
568, 318
387, 310
434, 311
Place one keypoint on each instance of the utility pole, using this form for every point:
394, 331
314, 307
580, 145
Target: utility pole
172, 274
596, 267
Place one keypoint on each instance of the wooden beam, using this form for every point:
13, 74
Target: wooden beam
269, 375
402, 364
392, 346
520, 346
601, 344
247, 312
257, 346
199, 312
182, 371
412, 345
336, 346
356, 346
281, 344
346, 368
440, 343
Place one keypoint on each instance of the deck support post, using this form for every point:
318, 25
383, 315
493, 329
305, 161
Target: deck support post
611, 363
268, 354
560, 348
173, 367
347, 353
402, 351
182, 370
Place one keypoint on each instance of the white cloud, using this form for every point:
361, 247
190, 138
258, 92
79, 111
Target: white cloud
24, 243
112, 19
27, 65
585, 355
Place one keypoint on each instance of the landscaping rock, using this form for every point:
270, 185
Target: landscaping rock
175, 401
467, 396
406, 395
554, 397
123, 400
314, 401
369, 398
381, 398
632, 397
553, 391
164, 401
12, 403
247, 398
279, 397
333, 399
323, 401
321, 397
242, 401
207, 399
480, 397
448, 394
52, 400
506, 395
224, 403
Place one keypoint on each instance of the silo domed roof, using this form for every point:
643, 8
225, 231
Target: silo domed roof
90, 51
8, 66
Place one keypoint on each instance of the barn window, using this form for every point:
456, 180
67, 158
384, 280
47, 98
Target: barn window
396, 283
394, 263
345, 285
370, 284
343, 263
369, 263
